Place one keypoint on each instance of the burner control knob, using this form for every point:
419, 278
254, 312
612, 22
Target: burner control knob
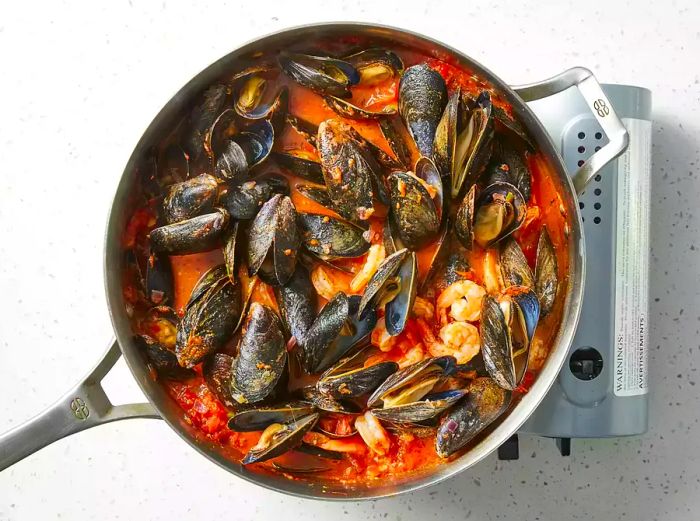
586, 363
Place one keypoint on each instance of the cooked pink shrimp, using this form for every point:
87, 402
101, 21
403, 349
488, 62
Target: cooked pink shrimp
372, 432
411, 356
423, 308
538, 354
375, 256
458, 339
381, 338
464, 300
327, 283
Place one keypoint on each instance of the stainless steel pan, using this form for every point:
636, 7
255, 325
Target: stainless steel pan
87, 405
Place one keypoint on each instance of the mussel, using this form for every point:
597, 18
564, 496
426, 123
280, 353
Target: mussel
190, 198
321, 74
507, 328
348, 170
273, 241
202, 118
425, 408
245, 150
315, 192
491, 216
299, 163
422, 98
304, 128
375, 65
546, 273
193, 235
416, 205
485, 401
161, 323
210, 320
254, 96
216, 370
262, 356
162, 359
351, 378
463, 140
518, 174
329, 238
259, 418
159, 279
395, 135
514, 267
412, 383
335, 332
297, 301
278, 438
393, 285
243, 200
349, 110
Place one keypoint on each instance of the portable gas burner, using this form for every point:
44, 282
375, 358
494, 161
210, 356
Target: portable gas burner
602, 390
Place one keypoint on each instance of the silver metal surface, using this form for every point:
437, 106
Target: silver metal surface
600, 107
303, 37
84, 406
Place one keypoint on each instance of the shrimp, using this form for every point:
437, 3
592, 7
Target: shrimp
328, 282
423, 308
538, 354
458, 339
381, 338
373, 434
411, 356
375, 256
464, 300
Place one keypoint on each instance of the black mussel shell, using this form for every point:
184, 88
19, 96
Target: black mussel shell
428, 407
546, 273
256, 98
174, 165
190, 198
464, 220
384, 284
206, 280
484, 402
499, 210
413, 212
164, 360
243, 200
299, 164
347, 170
375, 65
278, 438
508, 126
202, 118
351, 111
304, 128
321, 74
159, 279
259, 418
209, 322
193, 235
262, 356
297, 301
349, 378
422, 98
317, 193
328, 237
217, 374
393, 131
399, 308
514, 266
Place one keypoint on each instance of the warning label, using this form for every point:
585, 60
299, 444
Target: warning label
632, 261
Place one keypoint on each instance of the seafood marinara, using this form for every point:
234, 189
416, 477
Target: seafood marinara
343, 263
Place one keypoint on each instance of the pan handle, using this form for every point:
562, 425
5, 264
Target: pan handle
84, 406
601, 108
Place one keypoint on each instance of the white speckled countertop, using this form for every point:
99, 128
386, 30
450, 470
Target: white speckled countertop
81, 81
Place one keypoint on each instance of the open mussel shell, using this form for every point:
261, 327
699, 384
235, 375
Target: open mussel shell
162, 358
205, 282
217, 374
397, 137
197, 234
255, 96
297, 302
507, 328
262, 356
514, 267
159, 279
384, 284
324, 75
349, 110
299, 163
259, 418
273, 238
485, 401
411, 383
509, 126
464, 219
278, 438
546, 273
243, 200
325, 402
244, 150
348, 170
317, 193
202, 117
174, 165
430, 406
516, 168
398, 309
190, 198
329, 238
500, 209
375, 65
422, 98
209, 321
336, 331
414, 214
350, 378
